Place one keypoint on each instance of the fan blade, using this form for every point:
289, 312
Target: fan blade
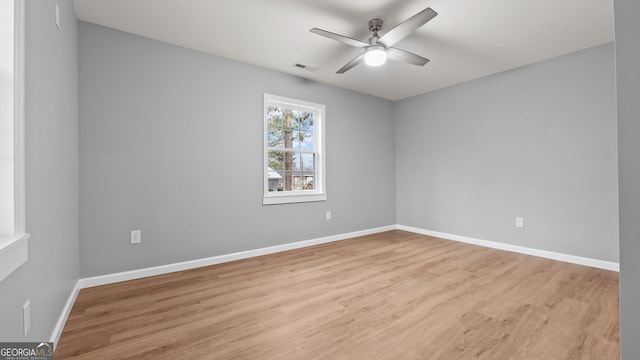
357, 60
407, 27
405, 56
344, 39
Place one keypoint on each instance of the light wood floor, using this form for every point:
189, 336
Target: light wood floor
394, 295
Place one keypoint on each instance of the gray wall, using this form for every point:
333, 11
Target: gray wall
538, 142
628, 86
51, 175
171, 144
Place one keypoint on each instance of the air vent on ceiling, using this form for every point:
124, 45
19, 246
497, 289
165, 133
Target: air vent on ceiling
304, 67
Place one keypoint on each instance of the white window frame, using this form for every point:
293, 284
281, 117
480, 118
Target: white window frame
319, 192
14, 244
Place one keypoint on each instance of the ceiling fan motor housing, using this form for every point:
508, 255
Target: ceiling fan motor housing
375, 25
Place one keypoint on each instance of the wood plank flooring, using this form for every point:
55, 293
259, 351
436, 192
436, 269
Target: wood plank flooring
394, 295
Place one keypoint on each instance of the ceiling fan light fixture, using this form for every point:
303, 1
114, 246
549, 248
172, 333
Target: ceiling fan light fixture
375, 55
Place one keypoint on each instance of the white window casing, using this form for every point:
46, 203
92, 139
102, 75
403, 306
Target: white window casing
13, 236
316, 178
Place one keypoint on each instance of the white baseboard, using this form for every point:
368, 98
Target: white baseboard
192, 264
57, 331
596, 263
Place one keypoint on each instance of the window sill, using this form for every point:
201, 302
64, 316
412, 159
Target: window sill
13, 253
293, 198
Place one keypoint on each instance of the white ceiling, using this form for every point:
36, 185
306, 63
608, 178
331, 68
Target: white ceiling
467, 40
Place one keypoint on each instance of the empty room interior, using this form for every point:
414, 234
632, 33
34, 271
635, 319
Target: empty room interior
262, 179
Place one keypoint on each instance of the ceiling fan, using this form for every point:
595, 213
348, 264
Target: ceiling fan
379, 48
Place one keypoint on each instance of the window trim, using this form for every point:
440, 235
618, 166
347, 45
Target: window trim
319, 193
14, 247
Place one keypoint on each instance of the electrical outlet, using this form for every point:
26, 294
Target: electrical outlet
26, 317
520, 222
328, 215
136, 237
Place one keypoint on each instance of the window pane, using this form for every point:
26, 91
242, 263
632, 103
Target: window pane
307, 120
288, 119
308, 180
274, 116
295, 161
308, 162
297, 180
275, 170
275, 137
275, 180
306, 131
296, 139
307, 127
301, 140
306, 140
276, 160
291, 166
287, 134
288, 180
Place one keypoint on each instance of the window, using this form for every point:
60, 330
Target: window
294, 162
13, 240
